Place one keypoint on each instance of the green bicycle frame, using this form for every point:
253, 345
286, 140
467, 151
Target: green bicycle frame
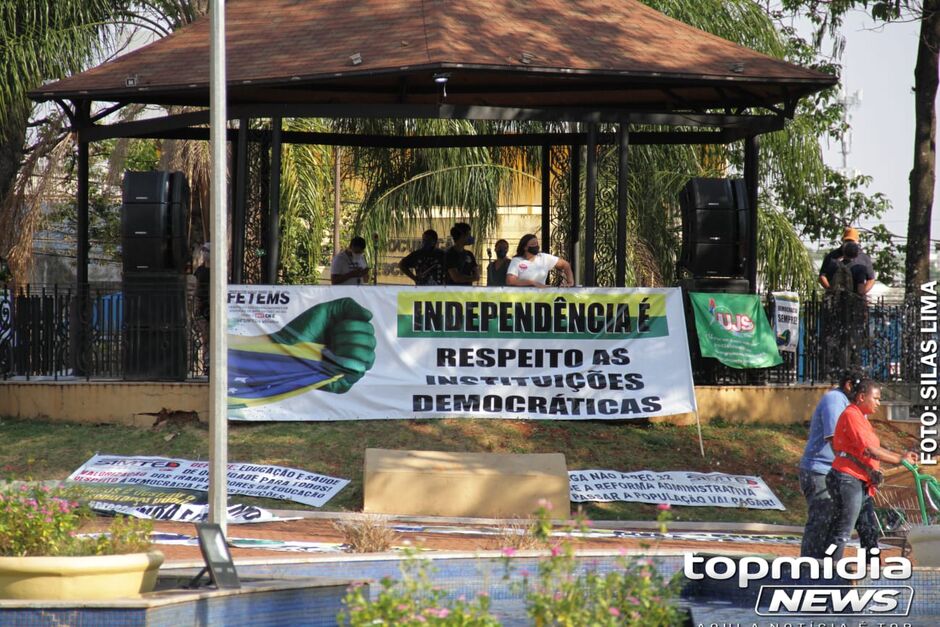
923, 482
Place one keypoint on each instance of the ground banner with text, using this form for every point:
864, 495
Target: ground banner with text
712, 489
347, 353
273, 482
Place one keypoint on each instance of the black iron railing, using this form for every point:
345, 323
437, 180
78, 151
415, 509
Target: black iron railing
149, 332
105, 331
837, 332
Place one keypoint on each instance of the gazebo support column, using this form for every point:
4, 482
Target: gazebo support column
238, 208
273, 231
623, 171
574, 212
82, 318
547, 198
337, 197
264, 184
751, 154
590, 206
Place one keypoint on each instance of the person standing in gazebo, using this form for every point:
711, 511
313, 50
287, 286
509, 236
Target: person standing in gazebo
349, 266
496, 270
425, 266
530, 266
459, 262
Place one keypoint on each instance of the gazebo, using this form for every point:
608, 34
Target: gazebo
586, 62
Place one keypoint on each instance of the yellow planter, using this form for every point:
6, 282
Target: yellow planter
89, 578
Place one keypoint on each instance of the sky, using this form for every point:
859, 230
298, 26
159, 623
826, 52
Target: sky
878, 62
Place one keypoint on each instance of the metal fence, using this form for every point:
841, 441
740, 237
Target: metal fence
149, 332
106, 331
837, 331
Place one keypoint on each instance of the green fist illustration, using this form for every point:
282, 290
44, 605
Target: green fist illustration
344, 329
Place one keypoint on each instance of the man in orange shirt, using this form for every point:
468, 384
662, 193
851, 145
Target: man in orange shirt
858, 457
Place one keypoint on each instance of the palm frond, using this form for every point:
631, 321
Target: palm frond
783, 263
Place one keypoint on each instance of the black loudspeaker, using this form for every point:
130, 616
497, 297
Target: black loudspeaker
145, 254
712, 260
709, 194
179, 222
154, 222
155, 326
715, 228
146, 187
146, 219
720, 286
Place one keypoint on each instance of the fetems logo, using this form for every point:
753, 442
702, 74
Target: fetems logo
841, 600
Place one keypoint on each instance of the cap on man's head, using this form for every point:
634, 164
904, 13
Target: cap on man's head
850, 233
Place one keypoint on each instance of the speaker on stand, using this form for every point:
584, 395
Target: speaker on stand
716, 228
154, 221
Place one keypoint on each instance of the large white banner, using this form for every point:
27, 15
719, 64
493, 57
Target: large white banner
712, 489
273, 482
348, 353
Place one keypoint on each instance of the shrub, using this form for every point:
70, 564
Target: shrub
38, 520
371, 534
412, 601
517, 535
636, 594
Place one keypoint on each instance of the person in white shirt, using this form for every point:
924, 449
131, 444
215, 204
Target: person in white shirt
530, 266
349, 266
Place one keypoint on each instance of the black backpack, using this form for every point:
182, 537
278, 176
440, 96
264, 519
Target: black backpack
842, 280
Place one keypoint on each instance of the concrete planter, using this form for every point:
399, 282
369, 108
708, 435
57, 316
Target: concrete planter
79, 578
925, 544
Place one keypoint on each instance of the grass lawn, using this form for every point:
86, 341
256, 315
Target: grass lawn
36, 450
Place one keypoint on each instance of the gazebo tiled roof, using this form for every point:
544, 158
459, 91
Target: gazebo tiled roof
519, 53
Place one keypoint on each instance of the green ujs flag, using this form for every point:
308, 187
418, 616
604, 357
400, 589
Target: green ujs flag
733, 329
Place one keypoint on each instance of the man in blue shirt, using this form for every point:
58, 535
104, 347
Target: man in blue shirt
814, 466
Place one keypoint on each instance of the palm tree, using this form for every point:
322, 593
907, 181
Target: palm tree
39, 40
402, 187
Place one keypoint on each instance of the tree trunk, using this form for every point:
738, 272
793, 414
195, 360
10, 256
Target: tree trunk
12, 141
923, 175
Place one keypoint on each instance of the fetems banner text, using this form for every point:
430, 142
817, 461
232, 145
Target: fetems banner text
347, 353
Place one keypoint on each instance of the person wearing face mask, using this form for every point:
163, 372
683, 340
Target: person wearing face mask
349, 266
530, 266
425, 266
496, 270
460, 263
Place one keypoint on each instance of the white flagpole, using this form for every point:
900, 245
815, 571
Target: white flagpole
218, 273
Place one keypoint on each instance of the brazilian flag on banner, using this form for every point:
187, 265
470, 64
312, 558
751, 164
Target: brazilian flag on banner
733, 329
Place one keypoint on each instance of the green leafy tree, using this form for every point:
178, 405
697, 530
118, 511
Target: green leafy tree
827, 15
39, 40
801, 199
405, 186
